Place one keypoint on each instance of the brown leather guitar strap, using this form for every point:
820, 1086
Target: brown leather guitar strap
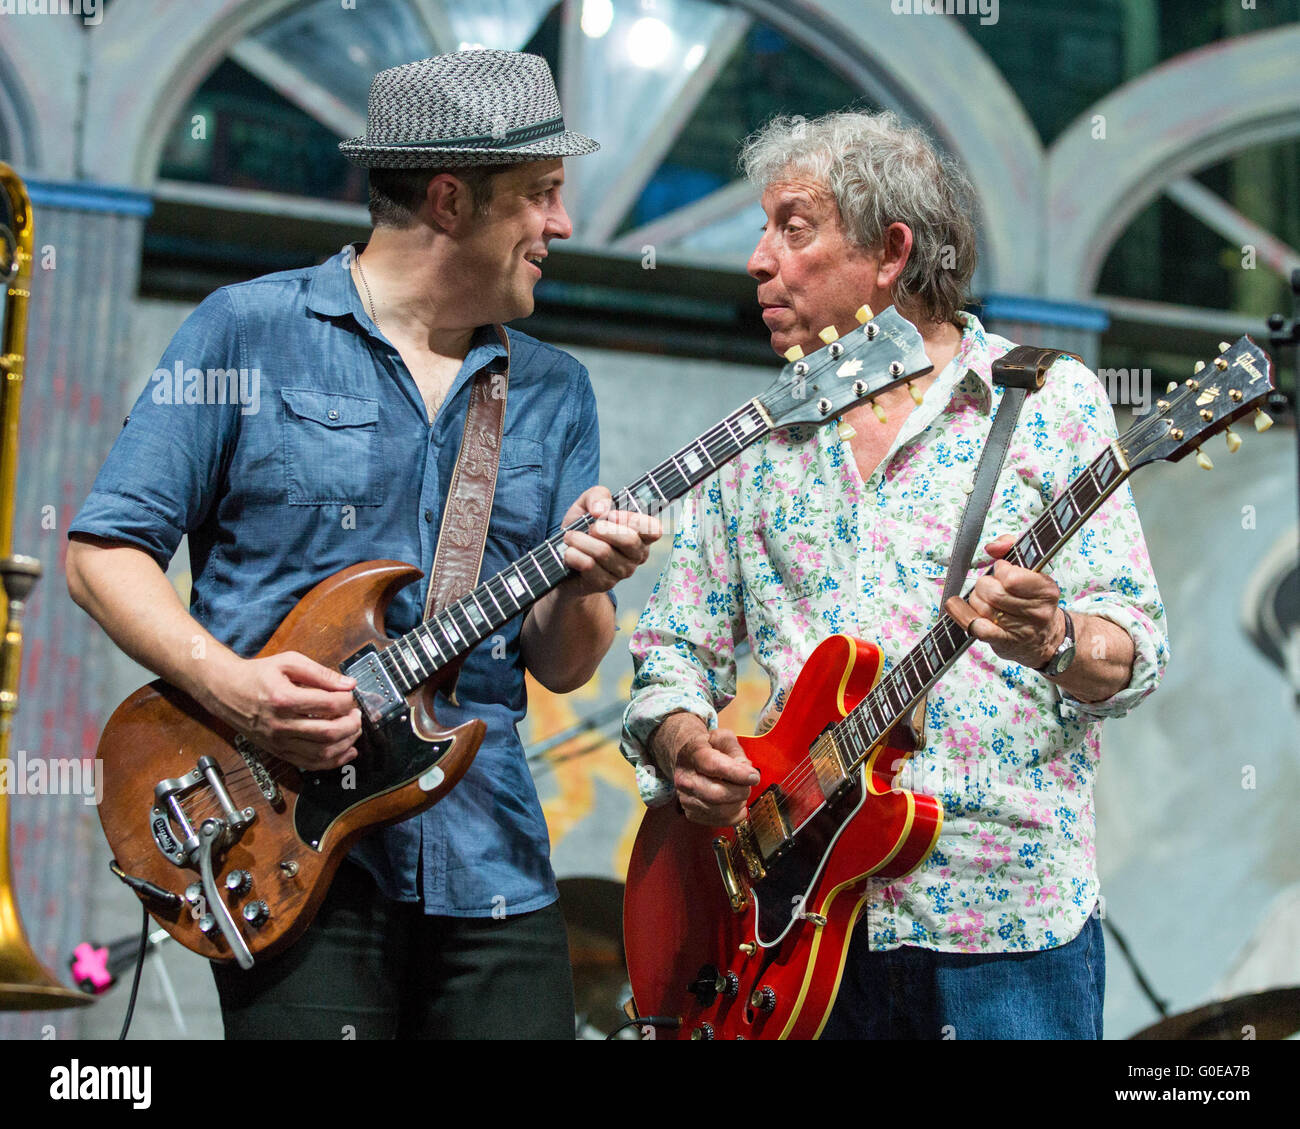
1018, 372
463, 535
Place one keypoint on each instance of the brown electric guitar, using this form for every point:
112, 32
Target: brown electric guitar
233, 849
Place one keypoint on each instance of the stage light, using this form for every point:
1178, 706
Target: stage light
597, 16
648, 42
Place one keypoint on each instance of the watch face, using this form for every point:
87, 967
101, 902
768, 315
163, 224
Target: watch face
1062, 659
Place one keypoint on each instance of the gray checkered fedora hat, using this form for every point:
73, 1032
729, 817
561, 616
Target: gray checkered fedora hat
467, 108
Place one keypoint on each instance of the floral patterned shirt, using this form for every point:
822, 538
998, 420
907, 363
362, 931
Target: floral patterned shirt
787, 544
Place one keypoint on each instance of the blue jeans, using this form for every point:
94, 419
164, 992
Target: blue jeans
912, 993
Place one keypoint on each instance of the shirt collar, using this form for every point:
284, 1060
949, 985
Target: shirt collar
972, 361
332, 294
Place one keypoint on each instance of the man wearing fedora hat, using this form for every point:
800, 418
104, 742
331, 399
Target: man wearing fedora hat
445, 925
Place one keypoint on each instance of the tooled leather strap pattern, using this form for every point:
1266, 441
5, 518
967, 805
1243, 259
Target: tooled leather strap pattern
468, 509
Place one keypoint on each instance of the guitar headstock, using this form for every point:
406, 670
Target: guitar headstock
879, 353
1236, 382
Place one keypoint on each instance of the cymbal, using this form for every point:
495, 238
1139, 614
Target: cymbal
1274, 1014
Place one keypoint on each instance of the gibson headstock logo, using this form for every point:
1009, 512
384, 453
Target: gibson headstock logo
1245, 362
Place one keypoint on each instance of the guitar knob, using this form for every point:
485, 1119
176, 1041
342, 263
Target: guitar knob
707, 984
193, 892
255, 913
239, 882
762, 999
703, 1033
730, 985
207, 923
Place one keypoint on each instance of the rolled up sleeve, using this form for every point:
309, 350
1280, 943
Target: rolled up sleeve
683, 649
1105, 569
165, 468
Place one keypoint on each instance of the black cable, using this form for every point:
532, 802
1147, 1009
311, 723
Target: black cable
1136, 970
135, 982
145, 888
671, 1021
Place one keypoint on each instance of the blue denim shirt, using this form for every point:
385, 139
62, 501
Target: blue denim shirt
320, 456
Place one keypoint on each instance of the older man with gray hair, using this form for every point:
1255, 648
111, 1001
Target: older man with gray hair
819, 530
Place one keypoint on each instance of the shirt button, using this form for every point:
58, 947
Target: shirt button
332, 414
428, 515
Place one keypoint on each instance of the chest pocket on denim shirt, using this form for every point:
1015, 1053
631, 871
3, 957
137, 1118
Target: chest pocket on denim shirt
521, 504
331, 448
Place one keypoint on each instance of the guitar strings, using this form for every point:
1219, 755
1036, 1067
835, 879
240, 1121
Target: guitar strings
240, 782
714, 443
801, 785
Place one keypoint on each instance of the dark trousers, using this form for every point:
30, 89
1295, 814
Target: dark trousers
912, 993
370, 968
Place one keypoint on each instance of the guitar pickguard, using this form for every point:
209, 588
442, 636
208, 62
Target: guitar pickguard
388, 757
781, 896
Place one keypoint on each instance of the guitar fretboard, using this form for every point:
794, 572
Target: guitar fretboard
458, 628
895, 694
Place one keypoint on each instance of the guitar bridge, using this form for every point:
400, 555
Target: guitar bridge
253, 758
749, 854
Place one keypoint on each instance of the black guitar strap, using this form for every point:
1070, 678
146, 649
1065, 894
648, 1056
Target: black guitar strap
1018, 372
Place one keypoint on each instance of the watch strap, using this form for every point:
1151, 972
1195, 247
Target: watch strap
1067, 644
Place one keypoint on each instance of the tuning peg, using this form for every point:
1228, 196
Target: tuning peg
1203, 460
880, 413
915, 391
1174, 384
1234, 440
864, 315
846, 429
1263, 421
1198, 367
1224, 346
829, 334
794, 353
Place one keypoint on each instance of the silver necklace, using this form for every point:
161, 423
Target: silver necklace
375, 318
369, 297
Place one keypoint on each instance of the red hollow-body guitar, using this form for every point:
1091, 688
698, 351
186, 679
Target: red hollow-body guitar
737, 902
232, 849
742, 932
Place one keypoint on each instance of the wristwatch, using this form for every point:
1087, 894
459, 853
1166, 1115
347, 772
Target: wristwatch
1060, 661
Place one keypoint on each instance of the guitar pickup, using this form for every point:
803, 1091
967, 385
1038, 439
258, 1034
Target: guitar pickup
829, 766
376, 692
